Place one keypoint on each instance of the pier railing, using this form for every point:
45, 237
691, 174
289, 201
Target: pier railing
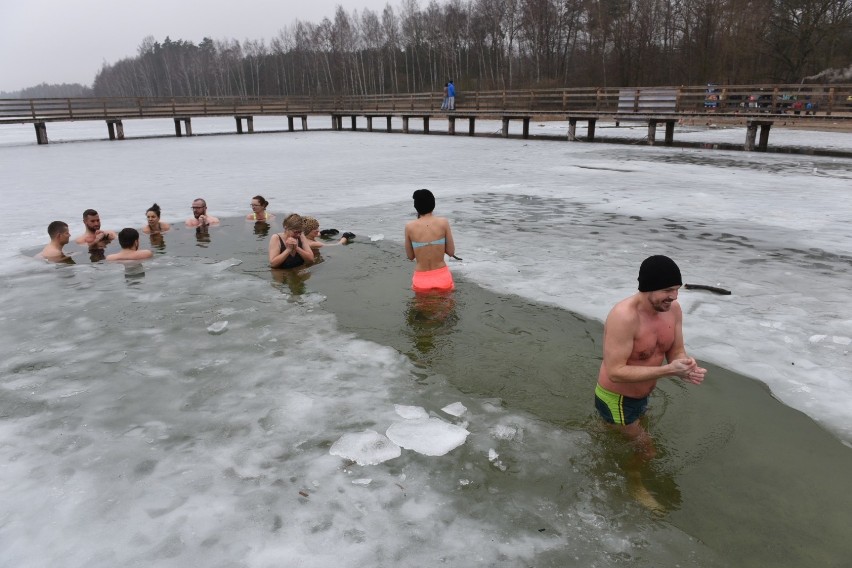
804, 100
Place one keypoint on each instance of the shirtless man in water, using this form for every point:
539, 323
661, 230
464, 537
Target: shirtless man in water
200, 218
640, 333
642, 343
128, 238
94, 236
59, 237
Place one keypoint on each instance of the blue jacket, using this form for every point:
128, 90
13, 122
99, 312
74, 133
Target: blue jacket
451, 90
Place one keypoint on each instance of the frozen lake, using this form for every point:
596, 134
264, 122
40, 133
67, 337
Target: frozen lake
132, 435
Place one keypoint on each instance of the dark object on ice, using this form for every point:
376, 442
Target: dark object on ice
328, 232
348, 236
721, 291
455, 257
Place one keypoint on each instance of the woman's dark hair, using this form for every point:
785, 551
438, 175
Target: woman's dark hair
156, 209
424, 201
261, 200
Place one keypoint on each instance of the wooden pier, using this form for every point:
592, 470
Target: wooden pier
757, 107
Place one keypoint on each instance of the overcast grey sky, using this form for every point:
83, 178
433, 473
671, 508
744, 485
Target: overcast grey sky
67, 41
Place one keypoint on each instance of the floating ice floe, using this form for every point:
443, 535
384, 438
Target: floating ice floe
365, 448
378, 237
427, 436
362, 481
115, 357
218, 327
411, 412
455, 409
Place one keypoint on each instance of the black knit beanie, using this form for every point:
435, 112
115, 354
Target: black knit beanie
658, 272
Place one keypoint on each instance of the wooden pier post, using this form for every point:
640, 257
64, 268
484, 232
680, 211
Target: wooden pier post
389, 122
751, 134
290, 123
369, 123
470, 126
592, 122
41, 132
451, 125
305, 122
652, 132
115, 129
505, 131
425, 125
353, 122
405, 125
249, 124
187, 125
572, 129
763, 143
670, 124
526, 120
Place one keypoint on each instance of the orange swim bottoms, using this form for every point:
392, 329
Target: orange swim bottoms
438, 279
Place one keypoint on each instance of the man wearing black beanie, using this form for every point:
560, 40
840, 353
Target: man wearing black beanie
642, 343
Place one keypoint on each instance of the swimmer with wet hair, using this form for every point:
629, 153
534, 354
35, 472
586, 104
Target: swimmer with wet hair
290, 249
94, 236
427, 240
258, 208
59, 236
311, 230
154, 226
128, 238
200, 218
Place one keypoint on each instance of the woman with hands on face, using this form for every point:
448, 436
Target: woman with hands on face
290, 248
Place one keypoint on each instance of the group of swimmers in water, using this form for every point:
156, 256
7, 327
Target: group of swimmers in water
427, 239
643, 337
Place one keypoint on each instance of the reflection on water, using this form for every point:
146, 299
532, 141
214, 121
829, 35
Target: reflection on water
158, 242
133, 273
261, 228
97, 252
202, 236
431, 318
293, 278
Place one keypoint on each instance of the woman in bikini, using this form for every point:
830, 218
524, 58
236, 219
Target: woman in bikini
154, 226
290, 248
258, 210
427, 240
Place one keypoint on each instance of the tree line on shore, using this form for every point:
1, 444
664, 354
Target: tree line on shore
505, 44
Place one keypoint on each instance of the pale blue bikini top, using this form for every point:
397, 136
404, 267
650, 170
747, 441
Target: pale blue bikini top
441, 241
